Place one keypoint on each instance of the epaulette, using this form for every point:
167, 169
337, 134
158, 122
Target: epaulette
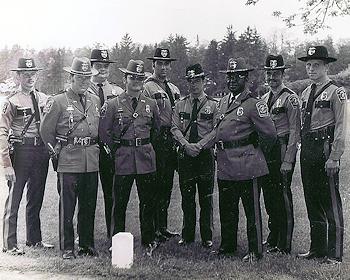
335, 83
60, 92
184, 97
285, 89
12, 93
211, 98
149, 79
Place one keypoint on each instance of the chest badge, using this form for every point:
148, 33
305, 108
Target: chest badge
207, 110
324, 96
135, 115
240, 111
279, 102
148, 109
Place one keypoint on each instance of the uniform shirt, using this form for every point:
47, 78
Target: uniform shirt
109, 90
61, 113
285, 113
240, 119
17, 110
116, 115
205, 119
155, 89
329, 108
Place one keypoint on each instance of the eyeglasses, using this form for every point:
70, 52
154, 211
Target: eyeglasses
136, 78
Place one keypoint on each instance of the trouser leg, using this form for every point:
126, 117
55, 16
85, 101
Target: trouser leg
188, 204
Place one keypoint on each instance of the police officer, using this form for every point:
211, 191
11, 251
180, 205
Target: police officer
240, 160
71, 126
322, 145
193, 119
166, 94
284, 108
19, 128
105, 90
128, 122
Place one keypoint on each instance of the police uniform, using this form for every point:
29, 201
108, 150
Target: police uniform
128, 133
284, 108
17, 110
166, 94
77, 159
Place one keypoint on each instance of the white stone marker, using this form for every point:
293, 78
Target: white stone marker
123, 250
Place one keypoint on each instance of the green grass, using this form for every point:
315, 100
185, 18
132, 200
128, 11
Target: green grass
171, 261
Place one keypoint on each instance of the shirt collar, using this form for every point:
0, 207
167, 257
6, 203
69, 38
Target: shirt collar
200, 97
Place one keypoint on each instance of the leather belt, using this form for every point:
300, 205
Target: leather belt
26, 141
234, 143
320, 134
134, 142
80, 141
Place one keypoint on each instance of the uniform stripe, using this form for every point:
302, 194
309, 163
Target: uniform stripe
257, 215
113, 208
6, 225
336, 217
288, 205
61, 210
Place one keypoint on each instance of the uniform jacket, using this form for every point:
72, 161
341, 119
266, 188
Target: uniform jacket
155, 89
329, 108
285, 113
110, 90
118, 113
16, 111
249, 115
62, 112
205, 120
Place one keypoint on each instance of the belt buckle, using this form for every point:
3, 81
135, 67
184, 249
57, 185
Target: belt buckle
85, 141
221, 144
35, 141
138, 142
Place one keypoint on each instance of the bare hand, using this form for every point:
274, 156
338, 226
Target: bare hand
10, 174
332, 167
286, 167
192, 149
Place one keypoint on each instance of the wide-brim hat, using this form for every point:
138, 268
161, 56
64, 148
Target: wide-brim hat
100, 55
135, 67
162, 54
194, 71
317, 52
26, 64
81, 66
235, 65
275, 62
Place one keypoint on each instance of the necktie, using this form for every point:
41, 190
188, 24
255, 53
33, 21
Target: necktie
134, 103
100, 94
231, 99
170, 94
82, 100
269, 101
308, 112
194, 127
36, 109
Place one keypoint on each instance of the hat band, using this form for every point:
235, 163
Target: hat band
81, 73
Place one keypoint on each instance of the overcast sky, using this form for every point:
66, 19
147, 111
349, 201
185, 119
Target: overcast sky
76, 23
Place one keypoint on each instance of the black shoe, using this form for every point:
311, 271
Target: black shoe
150, 247
169, 234
87, 251
251, 257
331, 261
68, 255
225, 252
272, 250
183, 241
160, 237
207, 243
310, 255
40, 245
14, 251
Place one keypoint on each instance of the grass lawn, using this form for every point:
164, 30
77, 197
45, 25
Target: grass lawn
171, 261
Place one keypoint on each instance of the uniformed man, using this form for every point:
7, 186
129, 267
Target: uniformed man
243, 126
322, 145
71, 126
105, 90
193, 120
21, 146
284, 108
166, 94
128, 124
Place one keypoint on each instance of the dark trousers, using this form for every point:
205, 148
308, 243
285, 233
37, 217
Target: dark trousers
323, 202
197, 172
106, 176
278, 203
145, 184
73, 187
166, 165
30, 164
229, 194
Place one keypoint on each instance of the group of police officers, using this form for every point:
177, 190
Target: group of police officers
145, 132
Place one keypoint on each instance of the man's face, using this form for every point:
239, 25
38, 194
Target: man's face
274, 78
103, 70
161, 68
196, 86
80, 83
316, 69
236, 82
134, 83
27, 79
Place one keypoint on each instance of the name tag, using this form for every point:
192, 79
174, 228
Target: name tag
323, 104
204, 116
184, 115
24, 111
278, 110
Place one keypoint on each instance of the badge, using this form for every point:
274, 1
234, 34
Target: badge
191, 73
232, 64
104, 54
293, 101
207, 110
164, 53
240, 111
48, 105
135, 115
139, 68
222, 116
84, 67
29, 63
278, 102
4, 107
341, 94
148, 109
104, 110
70, 108
311, 50
324, 96
273, 63
96, 108
262, 109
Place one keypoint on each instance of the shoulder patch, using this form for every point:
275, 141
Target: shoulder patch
341, 94
293, 100
48, 105
262, 109
5, 106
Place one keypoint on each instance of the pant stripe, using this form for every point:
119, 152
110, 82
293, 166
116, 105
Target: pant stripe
257, 215
61, 210
288, 206
113, 208
6, 226
336, 218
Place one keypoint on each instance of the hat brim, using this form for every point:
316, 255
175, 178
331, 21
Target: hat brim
26, 69
195, 76
125, 71
236, 71
103, 61
161, 58
326, 59
93, 72
275, 68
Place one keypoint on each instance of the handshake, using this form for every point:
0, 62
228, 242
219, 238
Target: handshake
192, 149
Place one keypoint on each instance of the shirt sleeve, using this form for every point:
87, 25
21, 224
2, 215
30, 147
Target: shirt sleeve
7, 114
